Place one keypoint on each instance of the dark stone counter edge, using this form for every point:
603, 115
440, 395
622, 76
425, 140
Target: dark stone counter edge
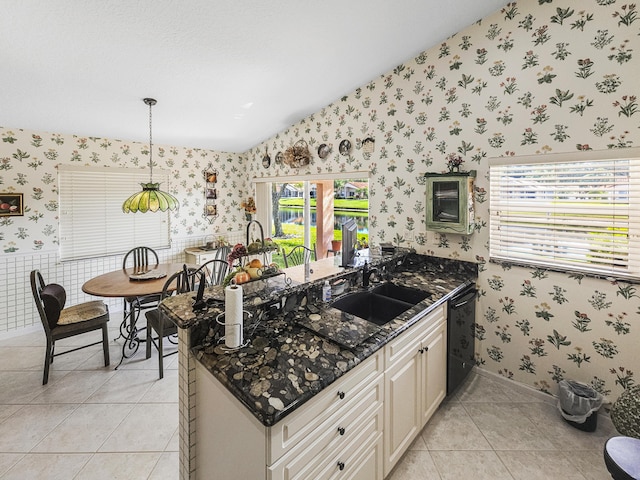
365, 350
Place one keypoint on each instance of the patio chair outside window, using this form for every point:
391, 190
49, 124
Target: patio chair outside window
299, 255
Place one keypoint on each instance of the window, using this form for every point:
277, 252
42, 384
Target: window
92, 222
572, 212
302, 224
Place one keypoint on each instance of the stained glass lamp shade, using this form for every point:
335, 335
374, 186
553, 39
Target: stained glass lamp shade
151, 198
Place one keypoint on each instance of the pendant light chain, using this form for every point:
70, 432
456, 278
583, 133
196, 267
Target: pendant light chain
151, 198
151, 102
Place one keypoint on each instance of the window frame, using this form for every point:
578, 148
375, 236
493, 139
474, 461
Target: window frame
538, 220
262, 188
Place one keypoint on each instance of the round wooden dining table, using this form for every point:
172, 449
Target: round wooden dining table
126, 283
120, 283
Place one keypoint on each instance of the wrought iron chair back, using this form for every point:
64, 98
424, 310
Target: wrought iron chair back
222, 253
180, 282
140, 258
299, 255
215, 271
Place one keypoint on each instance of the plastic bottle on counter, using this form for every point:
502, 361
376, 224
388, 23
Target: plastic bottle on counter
326, 292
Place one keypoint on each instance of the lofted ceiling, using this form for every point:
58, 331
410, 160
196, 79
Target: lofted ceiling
227, 74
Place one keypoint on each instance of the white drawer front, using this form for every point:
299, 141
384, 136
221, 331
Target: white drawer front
334, 434
297, 429
410, 339
361, 459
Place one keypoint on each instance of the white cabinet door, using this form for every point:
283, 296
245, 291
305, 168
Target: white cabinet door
415, 383
402, 407
433, 355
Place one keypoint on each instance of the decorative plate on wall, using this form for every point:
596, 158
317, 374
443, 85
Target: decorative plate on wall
324, 150
279, 158
345, 147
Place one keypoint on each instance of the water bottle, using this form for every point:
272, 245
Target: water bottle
326, 292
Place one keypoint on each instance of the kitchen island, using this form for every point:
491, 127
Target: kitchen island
290, 369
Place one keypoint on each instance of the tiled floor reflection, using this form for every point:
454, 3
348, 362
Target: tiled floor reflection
92, 422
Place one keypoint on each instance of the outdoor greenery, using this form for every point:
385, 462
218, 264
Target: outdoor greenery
295, 236
292, 234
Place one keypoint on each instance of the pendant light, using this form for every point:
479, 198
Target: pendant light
151, 198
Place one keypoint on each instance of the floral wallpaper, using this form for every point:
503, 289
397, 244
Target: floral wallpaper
536, 77
28, 163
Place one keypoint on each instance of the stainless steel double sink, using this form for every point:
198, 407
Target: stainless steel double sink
381, 304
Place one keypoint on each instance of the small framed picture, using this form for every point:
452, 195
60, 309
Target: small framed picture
211, 193
11, 205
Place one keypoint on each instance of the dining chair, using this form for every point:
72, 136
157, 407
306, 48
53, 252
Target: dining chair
299, 255
180, 282
215, 271
222, 253
60, 322
140, 258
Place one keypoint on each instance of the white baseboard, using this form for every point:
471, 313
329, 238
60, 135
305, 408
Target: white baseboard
21, 331
521, 387
603, 413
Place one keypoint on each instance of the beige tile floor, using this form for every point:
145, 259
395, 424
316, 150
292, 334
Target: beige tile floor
92, 422
489, 430
88, 422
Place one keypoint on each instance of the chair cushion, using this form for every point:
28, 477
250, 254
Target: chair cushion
82, 312
154, 318
53, 297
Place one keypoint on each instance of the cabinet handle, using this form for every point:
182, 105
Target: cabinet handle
341, 395
426, 349
341, 430
341, 465
421, 350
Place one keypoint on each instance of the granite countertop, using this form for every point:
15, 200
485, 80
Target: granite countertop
284, 363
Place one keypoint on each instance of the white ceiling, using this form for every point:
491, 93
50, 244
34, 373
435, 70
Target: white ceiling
227, 74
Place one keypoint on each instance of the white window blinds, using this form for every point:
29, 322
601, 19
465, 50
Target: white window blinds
575, 212
92, 222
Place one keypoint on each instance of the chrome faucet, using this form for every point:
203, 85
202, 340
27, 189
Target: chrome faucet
366, 274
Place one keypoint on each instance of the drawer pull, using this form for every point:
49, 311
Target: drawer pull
341, 430
341, 395
340, 465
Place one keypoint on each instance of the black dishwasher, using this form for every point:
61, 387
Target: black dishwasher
460, 337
